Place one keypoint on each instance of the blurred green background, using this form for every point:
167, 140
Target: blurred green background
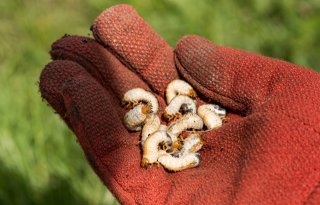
40, 161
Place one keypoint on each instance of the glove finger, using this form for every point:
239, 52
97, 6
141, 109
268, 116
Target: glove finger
51, 80
137, 45
79, 99
237, 79
91, 112
99, 62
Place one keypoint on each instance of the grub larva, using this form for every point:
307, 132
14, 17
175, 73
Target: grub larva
163, 128
134, 119
136, 95
188, 121
152, 124
151, 151
209, 116
180, 163
179, 87
193, 143
165, 144
179, 103
217, 109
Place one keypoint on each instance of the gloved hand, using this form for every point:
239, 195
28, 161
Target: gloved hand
267, 153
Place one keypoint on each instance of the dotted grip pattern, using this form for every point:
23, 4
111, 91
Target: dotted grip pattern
267, 153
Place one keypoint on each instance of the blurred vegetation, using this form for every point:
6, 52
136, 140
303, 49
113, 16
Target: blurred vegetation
41, 163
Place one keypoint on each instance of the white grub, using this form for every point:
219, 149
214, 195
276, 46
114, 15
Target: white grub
163, 128
134, 119
210, 118
151, 125
180, 163
151, 147
179, 87
188, 121
217, 109
136, 95
180, 103
193, 143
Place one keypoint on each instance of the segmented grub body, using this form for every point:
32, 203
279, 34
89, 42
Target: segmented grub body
193, 143
188, 121
137, 95
179, 87
178, 164
151, 147
163, 128
208, 113
180, 103
152, 124
134, 119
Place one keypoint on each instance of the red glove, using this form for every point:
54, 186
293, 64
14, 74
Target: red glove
268, 154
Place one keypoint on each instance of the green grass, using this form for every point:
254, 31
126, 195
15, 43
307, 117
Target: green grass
40, 159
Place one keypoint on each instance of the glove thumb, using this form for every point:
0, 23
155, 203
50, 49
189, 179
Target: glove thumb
239, 80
